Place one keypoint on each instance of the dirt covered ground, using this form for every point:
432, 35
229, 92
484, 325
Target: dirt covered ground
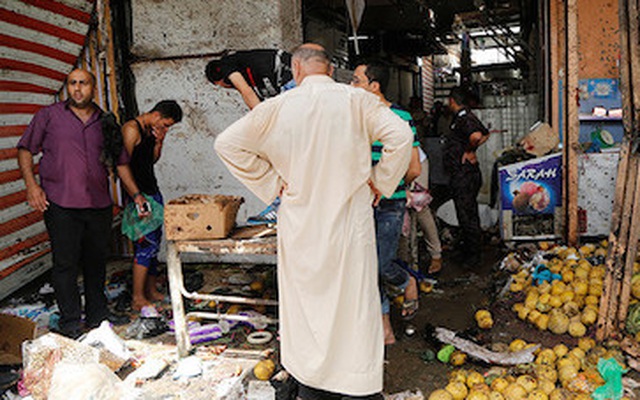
410, 364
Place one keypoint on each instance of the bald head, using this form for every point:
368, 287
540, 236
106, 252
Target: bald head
310, 59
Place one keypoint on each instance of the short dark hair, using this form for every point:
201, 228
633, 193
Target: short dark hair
459, 95
169, 109
214, 71
378, 72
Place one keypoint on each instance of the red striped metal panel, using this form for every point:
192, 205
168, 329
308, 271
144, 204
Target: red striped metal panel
42, 41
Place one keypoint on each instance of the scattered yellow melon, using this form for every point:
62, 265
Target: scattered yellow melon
499, 384
546, 386
542, 322
586, 344
558, 322
474, 378
514, 392
560, 394
458, 375
482, 314
561, 350
591, 300
546, 356
476, 395
457, 358
485, 323
528, 382
517, 345
547, 373
577, 329
264, 369
457, 389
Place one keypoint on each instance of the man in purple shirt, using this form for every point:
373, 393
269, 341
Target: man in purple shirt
74, 196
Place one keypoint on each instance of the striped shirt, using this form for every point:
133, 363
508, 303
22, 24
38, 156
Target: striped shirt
376, 150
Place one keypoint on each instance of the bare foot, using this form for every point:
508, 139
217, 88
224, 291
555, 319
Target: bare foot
389, 337
138, 302
436, 266
410, 305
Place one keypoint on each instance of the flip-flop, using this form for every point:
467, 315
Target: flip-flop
409, 309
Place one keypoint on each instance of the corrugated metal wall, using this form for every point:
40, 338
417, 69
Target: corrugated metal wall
40, 43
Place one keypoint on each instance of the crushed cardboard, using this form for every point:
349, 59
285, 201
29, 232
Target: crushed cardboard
13, 332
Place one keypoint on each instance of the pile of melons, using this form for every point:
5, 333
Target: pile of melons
566, 305
556, 374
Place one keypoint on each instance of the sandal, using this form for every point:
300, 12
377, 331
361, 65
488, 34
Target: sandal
409, 309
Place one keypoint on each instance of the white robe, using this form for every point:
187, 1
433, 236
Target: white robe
317, 139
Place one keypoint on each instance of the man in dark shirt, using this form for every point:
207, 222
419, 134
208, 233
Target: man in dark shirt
143, 138
73, 194
256, 74
467, 134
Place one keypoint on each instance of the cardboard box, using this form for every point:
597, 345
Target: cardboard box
201, 216
13, 331
540, 140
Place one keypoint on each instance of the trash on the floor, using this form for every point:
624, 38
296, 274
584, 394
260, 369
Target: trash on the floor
37, 312
611, 372
188, 368
259, 337
150, 369
13, 332
146, 327
474, 350
260, 390
46, 289
406, 395
208, 332
87, 381
113, 351
115, 289
41, 355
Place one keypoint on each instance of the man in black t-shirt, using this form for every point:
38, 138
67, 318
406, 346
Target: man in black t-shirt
257, 74
467, 134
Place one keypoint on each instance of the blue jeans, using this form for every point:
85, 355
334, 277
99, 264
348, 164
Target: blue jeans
389, 216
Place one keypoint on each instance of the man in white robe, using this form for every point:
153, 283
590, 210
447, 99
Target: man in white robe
312, 145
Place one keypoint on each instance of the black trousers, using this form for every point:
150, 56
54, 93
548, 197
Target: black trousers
79, 242
308, 393
465, 185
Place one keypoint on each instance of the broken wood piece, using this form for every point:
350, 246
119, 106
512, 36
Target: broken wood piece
492, 357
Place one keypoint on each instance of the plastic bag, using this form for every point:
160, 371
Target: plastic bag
611, 372
113, 351
41, 355
84, 381
135, 227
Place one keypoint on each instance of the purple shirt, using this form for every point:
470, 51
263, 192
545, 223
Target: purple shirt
71, 173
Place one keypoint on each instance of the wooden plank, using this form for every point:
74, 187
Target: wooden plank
602, 327
632, 248
573, 123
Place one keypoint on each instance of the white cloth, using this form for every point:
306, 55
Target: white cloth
317, 139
